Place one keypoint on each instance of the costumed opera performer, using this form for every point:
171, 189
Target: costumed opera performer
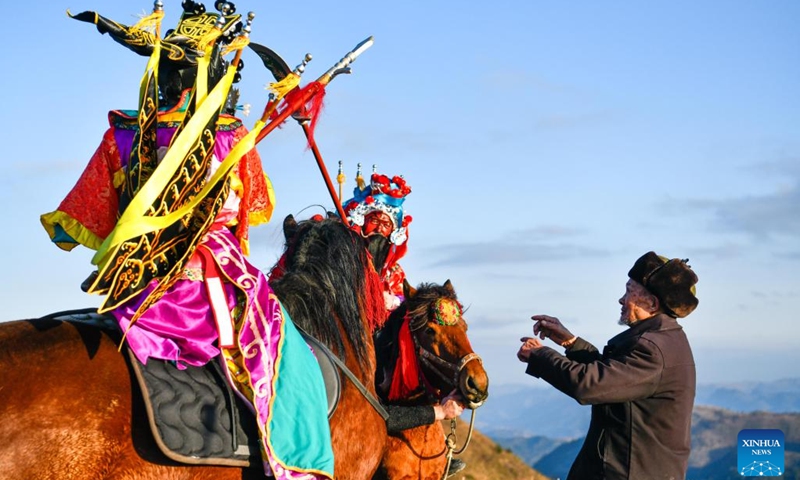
184, 292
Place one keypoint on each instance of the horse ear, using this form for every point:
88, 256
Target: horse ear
449, 286
289, 227
408, 290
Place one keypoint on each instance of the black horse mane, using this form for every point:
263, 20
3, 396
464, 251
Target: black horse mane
324, 274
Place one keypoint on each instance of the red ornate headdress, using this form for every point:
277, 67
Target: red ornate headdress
383, 194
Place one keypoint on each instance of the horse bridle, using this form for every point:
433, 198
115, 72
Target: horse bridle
438, 365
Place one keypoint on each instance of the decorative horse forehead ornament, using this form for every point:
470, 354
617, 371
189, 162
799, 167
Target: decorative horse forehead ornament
447, 311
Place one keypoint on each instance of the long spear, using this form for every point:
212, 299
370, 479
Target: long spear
340, 178
324, 171
296, 100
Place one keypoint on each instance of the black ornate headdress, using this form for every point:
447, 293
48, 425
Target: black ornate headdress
181, 47
160, 226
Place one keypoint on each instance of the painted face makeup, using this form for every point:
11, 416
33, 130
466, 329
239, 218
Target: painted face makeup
377, 223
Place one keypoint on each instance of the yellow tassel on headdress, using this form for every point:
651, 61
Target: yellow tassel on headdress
150, 23
340, 180
238, 43
207, 41
285, 86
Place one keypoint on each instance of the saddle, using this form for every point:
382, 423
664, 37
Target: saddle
195, 416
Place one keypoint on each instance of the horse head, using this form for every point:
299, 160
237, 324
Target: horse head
447, 361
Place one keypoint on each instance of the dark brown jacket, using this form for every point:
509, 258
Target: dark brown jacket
641, 390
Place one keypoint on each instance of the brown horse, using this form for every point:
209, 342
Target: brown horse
446, 363
70, 410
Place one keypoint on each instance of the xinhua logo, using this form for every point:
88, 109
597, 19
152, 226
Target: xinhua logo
760, 453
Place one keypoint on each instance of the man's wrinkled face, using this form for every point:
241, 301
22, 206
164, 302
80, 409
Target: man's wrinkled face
377, 223
634, 303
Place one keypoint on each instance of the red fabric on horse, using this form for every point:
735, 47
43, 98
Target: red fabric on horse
406, 371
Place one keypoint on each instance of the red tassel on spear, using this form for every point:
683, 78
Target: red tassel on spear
296, 101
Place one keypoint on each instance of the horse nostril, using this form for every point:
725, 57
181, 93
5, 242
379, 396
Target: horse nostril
471, 385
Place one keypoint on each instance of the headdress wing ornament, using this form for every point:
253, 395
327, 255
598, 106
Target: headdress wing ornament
181, 45
138, 40
274, 63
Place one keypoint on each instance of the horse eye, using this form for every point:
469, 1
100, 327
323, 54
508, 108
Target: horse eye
430, 331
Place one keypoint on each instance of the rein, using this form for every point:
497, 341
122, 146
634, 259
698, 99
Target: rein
452, 439
349, 374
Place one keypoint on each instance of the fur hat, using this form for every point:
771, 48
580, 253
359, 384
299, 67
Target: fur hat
672, 281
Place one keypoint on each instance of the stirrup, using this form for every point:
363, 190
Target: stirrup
456, 465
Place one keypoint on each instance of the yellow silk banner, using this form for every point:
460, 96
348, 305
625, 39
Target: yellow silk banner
133, 222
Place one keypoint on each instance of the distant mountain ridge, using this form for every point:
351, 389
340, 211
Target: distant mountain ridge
545, 427
526, 411
538, 410
714, 436
780, 396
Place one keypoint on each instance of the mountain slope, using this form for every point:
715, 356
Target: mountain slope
714, 450
486, 460
529, 449
545, 427
556, 464
714, 435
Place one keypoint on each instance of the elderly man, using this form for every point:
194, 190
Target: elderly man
641, 387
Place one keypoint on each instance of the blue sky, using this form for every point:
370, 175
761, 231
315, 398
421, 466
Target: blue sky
548, 145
